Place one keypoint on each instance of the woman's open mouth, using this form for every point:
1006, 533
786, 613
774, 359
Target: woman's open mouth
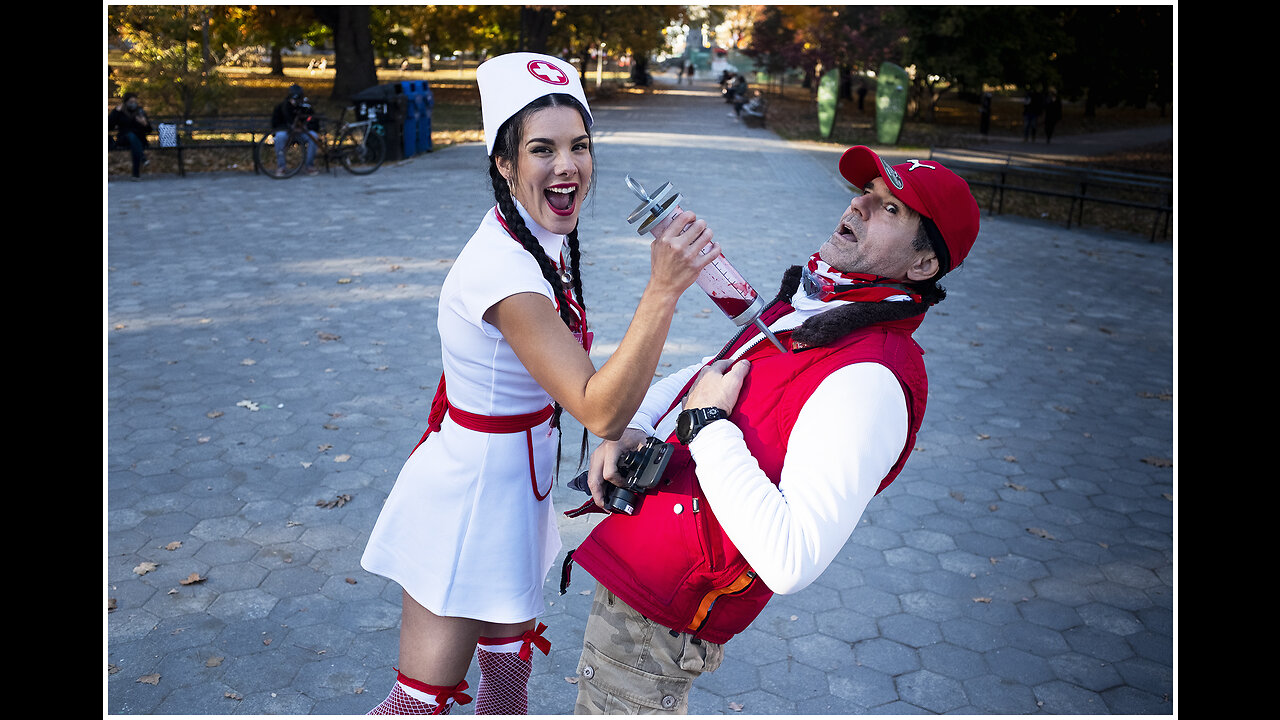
562, 198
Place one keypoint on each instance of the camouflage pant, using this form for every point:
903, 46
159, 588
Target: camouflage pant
633, 666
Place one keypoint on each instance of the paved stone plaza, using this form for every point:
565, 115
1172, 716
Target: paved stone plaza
271, 354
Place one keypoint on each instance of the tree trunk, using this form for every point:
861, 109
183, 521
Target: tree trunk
535, 27
353, 57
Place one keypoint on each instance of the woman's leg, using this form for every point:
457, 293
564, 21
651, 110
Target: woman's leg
505, 656
435, 652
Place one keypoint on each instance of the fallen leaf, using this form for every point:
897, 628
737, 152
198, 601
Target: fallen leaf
253, 406
213, 414
342, 458
736, 706
328, 337
1158, 461
233, 696
325, 446
983, 436
191, 579
982, 599
152, 679
359, 691
339, 501
266, 641
145, 567
1041, 533
214, 661
344, 281
351, 581
248, 361
1011, 458
173, 545
1015, 486
957, 495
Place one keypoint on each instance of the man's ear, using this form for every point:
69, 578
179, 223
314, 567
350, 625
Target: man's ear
925, 267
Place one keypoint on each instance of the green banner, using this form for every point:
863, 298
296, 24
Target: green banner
828, 94
892, 86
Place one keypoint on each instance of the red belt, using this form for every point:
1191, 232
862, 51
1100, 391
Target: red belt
495, 424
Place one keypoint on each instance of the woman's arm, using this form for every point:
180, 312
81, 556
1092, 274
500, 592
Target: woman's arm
604, 400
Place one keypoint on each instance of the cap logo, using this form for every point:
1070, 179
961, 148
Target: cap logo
891, 175
547, 73
917, 164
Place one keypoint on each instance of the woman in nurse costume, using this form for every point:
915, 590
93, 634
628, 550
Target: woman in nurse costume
468, 531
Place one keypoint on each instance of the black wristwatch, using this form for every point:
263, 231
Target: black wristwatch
690, 422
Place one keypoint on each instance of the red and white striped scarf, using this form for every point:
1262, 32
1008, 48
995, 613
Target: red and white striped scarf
825, 283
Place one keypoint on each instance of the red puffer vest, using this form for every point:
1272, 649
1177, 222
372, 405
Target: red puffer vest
672, 562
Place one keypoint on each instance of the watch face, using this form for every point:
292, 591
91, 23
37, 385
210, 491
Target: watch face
684, 423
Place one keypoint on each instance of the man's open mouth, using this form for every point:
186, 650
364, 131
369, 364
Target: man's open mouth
561, 198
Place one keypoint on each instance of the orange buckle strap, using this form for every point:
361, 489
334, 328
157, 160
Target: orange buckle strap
739, 585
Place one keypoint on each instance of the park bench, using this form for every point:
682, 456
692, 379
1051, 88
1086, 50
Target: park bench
1014, 173
210, 132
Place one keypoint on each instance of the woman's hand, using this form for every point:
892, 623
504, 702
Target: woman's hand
676, 255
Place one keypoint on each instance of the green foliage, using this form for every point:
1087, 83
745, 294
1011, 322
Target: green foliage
177, 72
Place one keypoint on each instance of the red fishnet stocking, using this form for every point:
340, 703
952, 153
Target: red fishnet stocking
504, 683
410, 697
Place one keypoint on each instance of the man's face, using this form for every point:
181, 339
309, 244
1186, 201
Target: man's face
875, 235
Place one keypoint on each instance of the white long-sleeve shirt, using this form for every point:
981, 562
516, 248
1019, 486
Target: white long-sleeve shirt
835, 461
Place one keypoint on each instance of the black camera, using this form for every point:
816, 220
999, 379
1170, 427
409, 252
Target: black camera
642, 468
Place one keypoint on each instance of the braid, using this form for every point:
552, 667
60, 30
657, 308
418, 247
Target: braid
507, 206
575, 256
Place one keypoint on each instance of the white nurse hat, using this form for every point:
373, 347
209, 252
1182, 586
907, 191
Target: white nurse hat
509, 82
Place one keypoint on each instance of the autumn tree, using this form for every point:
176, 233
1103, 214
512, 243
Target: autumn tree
172, 48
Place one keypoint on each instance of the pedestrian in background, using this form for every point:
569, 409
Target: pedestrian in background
130, 124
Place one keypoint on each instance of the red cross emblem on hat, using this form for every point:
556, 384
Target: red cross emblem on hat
547, 73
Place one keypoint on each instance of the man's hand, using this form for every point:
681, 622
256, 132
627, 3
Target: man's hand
718, 385
604, 462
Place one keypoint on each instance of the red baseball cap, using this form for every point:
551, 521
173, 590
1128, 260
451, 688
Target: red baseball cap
928, 188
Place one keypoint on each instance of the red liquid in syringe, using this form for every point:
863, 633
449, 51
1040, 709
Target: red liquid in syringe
723, 284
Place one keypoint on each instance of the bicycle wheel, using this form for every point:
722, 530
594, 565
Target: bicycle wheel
362, 150
278, 165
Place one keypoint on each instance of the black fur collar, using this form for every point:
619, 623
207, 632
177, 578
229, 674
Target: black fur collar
827, 327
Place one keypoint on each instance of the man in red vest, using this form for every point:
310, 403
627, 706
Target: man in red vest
775, 454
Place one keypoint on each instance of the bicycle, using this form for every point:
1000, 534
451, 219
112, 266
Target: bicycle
359, 146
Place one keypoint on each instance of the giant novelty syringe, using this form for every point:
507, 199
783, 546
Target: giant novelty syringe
720, 280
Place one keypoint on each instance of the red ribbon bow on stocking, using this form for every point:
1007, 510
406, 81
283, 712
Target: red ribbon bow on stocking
534, 638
